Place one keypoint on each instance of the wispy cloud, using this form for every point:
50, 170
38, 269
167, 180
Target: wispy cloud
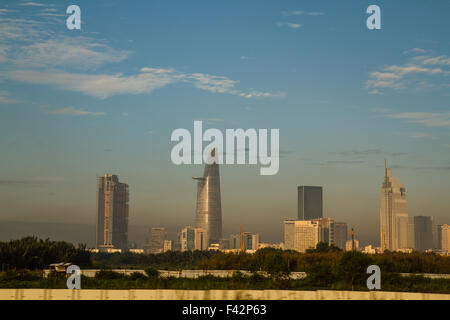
416, 50
301, 13
71, 111
428, 119
289, 24
67, 51
364, 152
410, 74
149, 79
211, 120
421, 135
33, 4
344, 161
5, 99
39, 181
32, 53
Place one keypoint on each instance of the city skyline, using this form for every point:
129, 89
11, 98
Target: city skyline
76, 104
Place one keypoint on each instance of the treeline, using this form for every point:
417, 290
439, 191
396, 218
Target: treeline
273, 260
35, 254
171, 260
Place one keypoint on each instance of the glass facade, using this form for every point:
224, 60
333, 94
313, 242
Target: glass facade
309, 203
112, 212
209, 209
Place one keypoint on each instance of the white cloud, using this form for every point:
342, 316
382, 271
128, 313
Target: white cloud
71, 111
289, 24
33, 4
440, 60
301, 13
149, 79
33, 53
410, 74
4, 98
421, 135
428, 119
68, 51
416, 50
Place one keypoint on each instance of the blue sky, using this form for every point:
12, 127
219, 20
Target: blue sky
76, 104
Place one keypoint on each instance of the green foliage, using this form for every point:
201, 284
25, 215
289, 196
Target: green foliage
321, 273
152, 272
352, 268
33, 253
108, 275
323, 247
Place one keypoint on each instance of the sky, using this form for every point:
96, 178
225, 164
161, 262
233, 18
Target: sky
76, 104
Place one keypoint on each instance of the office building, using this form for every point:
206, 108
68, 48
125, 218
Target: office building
300, 235
193, 239
309, 202
393, 213
411, 236
326, 230
157, 236
340, 234
167, 245
209, 210
112, 213
352, 245
444, 231
423, 233
250, 240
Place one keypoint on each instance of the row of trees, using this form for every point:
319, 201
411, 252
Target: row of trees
33, 253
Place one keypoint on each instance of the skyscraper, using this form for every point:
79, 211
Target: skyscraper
393, 213
340, 234
445, 237
112, 213
251, 241
309, 202
157, 236
193, 239
209, 210
327, 232
423, 233
300, 235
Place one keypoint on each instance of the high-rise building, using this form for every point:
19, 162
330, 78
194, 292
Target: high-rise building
423, 233
340, 234
167, 245
251, 241
393, 213
193, 239
209, 209
327, 232
300, 235
445, 237
157, 236
112, 213
309, 202
351, 245
411, 236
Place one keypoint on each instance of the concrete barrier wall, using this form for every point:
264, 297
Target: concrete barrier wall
84, 294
